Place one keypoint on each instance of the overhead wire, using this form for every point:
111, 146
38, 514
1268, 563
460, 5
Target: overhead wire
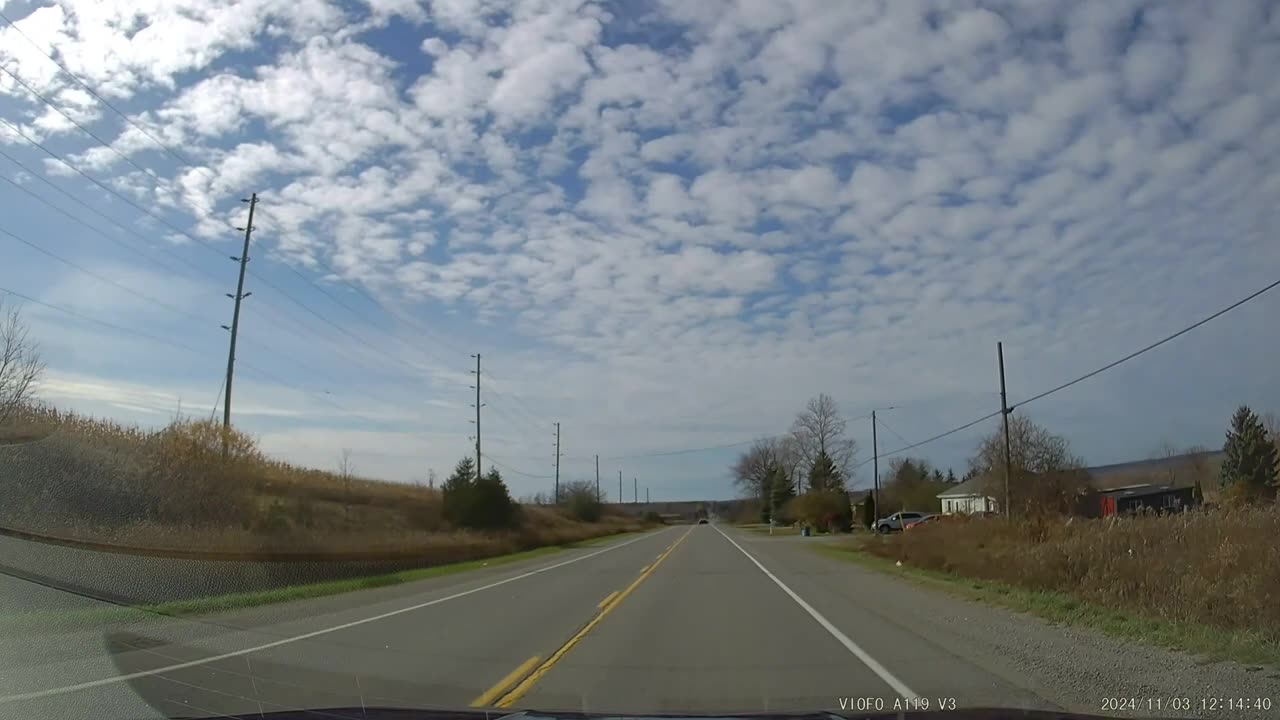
252, 369
509, 468
101, 278
1086, 376
362, 292
181, 158
104, 279
895, 433
1152, 346
145, 211
36, 196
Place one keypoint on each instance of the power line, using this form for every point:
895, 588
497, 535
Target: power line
175, 229
1152, 346
885, 425
101, 278
95, 211
503, 465
73, 121
182, 158
156, 301
1087, 375
164, 341
89, 89
939, 436
79, 81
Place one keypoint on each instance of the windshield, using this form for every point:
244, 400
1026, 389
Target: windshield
719, 356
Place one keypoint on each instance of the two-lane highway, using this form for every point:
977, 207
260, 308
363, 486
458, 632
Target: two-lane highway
694, 618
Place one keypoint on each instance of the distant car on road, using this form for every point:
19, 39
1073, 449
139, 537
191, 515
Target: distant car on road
702, 521
897, 521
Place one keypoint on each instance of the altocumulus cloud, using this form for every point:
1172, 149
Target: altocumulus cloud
670, 223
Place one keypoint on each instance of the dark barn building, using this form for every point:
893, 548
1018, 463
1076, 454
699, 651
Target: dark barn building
1137, 498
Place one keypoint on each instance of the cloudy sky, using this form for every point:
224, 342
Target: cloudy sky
664, 224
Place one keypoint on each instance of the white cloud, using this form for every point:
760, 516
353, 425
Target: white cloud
762, 199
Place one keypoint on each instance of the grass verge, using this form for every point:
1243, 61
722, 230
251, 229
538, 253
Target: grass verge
73, 619
1210, 643
777, 530
603, 539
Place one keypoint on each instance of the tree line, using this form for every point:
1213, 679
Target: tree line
801, 476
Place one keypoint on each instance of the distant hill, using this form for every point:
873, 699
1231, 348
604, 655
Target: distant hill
1179, 470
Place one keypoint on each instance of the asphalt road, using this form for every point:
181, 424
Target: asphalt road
686, 619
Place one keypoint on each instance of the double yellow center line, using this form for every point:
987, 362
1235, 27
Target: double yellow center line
499, 696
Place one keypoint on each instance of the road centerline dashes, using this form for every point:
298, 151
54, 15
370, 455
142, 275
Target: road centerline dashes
605, 608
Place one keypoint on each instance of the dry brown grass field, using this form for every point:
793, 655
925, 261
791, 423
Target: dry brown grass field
1217, 566
83, 478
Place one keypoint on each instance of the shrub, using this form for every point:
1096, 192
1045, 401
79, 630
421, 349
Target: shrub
823, 509
653, 517
580, 499
202, 485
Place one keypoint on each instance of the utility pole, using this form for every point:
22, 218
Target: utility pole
1004, 413
875, 470
646, 496
477, 406
635, 491
597, 478
621, 499
235, 323
557, 463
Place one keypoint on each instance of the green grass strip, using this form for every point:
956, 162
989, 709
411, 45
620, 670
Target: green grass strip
72, 619
1210, 643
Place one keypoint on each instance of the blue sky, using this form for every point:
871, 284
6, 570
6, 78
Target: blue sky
665, 225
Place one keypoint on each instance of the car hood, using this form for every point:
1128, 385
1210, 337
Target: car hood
388, 713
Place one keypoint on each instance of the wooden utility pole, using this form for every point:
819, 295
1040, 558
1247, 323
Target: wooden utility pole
875, 470
1004, 413
557, 501
635, 491
478, 405
235, 324
597, 478
620, 497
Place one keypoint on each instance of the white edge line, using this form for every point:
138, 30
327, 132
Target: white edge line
305, 636
893, 682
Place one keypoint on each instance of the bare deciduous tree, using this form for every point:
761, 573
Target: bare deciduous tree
821, 429
751, 471
1046, 476
20, 364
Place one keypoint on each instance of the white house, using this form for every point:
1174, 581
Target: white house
968, 497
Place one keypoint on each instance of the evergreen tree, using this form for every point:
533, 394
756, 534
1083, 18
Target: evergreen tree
869, 511
951, 477
824, 475
780, 491
456, 492
1249, 468
937, 476
491, 505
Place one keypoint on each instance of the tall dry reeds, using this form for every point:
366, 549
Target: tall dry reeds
1216, 566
